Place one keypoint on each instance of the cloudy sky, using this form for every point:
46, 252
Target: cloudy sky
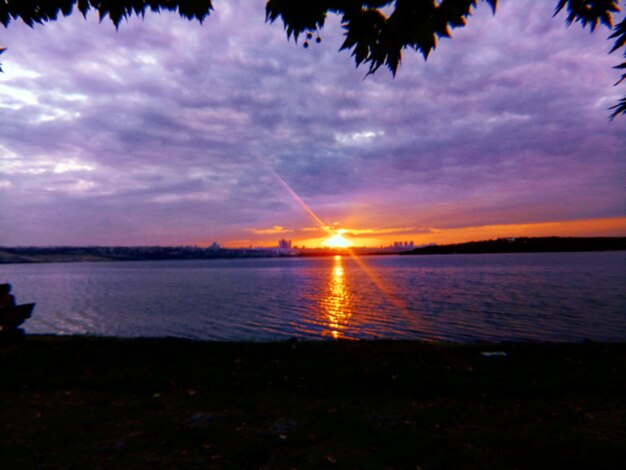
170, 132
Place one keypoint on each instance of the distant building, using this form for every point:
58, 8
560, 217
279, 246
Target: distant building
284, 244
402, 246
214, 246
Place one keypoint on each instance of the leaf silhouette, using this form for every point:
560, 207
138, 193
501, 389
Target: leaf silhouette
375, 31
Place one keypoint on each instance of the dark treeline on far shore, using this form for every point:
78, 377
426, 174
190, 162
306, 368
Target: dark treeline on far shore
65, 254
527, 245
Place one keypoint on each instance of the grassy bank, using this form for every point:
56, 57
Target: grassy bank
81, 402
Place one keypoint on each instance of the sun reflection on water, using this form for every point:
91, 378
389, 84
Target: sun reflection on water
337, 302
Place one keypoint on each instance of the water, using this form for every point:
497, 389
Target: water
461, 298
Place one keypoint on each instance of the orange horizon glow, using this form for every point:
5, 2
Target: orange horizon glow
608, 227
354, 237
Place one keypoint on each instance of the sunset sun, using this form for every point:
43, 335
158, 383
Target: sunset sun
337, 241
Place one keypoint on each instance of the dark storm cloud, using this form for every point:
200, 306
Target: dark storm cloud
167, 131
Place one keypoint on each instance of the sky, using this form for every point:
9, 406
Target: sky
168, 132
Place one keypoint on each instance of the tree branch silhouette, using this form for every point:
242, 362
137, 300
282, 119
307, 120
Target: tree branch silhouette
376, 31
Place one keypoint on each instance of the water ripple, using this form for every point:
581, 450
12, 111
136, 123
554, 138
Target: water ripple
464, 298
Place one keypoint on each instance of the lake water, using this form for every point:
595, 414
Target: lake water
460, 298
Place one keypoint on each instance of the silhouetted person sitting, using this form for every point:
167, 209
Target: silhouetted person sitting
12, 315
7, 300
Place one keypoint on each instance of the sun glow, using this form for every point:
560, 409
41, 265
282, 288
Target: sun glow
337, 241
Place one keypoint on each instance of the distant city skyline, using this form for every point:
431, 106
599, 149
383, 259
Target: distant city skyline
169, 132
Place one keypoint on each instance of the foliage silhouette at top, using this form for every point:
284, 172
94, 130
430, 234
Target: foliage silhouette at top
376, 31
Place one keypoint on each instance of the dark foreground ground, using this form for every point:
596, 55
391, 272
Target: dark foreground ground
82, 402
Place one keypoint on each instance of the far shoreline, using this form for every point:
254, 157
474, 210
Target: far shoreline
28, 255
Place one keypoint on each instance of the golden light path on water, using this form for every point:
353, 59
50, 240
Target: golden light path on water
338, 300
